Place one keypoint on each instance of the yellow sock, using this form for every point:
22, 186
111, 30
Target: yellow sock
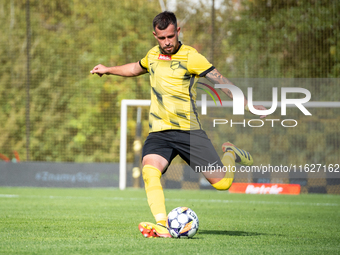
228, 161
154, 193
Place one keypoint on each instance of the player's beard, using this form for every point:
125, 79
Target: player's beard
173, 49
168, 51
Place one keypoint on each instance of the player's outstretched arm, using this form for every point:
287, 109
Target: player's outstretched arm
127, 70
216, 77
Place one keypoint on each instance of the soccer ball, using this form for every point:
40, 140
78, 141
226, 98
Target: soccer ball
182, 222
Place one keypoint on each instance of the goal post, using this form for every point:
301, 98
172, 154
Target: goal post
123, 136
125, 103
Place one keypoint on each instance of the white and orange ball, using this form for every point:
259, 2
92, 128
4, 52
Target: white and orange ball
182, 222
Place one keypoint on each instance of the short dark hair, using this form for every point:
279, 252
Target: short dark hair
164, 19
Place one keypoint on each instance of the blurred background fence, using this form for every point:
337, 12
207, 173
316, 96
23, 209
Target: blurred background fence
52, 109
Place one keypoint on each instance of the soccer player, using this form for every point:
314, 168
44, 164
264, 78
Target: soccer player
175, 128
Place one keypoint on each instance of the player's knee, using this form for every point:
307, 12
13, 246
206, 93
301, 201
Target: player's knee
223, 184
149, 172
146, 173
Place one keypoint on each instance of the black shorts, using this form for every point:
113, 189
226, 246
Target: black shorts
194, 147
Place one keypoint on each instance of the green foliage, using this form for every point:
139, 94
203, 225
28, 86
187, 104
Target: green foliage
75, 116
296, 38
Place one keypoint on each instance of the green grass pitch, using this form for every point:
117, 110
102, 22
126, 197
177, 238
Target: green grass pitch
105, 221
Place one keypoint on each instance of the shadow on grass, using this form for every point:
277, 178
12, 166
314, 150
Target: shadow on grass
230, 233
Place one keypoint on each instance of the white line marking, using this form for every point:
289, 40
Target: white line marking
8, 195
178, 200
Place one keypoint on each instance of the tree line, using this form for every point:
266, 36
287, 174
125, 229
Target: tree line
75, 116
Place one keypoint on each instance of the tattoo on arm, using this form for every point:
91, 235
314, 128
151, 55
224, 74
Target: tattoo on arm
216, 77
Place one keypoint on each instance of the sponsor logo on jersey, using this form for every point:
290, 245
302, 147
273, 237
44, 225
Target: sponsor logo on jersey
164, 57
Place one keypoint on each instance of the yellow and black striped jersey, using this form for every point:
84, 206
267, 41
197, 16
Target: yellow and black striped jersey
173, 81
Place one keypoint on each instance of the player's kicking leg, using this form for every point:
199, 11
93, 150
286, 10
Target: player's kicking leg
241, 156
232, 155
